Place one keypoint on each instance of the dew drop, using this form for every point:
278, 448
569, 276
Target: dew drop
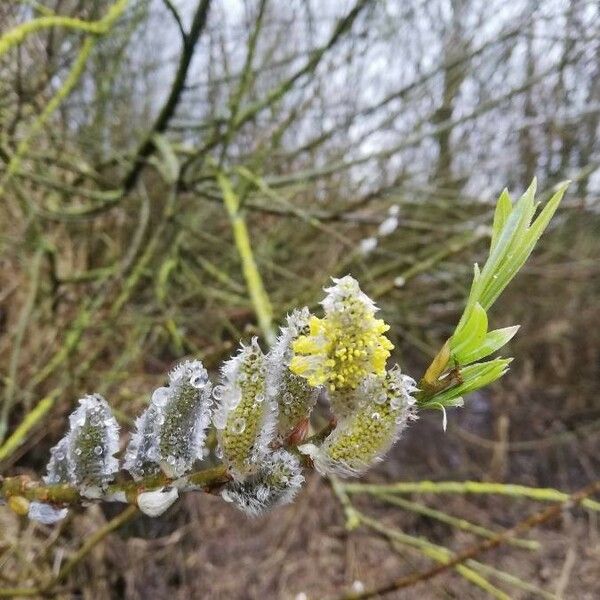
395, 403
198, 380
218, 392
220, 420
375, 416
238, 425
160, 396
98, 450
78, 451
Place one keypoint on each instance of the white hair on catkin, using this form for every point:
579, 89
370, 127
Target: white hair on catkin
170, 434
275, 483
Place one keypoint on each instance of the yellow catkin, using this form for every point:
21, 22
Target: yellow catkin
346, 345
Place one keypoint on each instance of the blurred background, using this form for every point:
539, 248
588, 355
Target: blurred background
369, 138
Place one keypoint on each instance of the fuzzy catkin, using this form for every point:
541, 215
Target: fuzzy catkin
294, 396
245, 418
275, 483
93, 441
171, 432
383, 406
345, 346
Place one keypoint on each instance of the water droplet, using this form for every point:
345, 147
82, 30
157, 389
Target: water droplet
395, 403
60, 456
219, 452
78, 451
375, 416
380, 399
218, 392
220, 420
160, 396
238, 425
98, 450
171, 459
199, 380
260, 398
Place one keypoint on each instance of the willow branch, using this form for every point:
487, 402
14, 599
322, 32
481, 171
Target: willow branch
207, 480
120, 491
256, 289
530, 522
16, 35
468, 487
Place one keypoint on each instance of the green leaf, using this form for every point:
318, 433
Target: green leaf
473, 297
513, 238
492, 342
509, 241
474, 377
519, 251
503, 209
471, 335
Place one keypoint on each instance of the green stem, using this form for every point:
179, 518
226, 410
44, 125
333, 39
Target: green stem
32, 418
256, 289
64, 494
458, 523
16, 35
468, 487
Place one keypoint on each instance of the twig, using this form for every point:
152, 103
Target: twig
30, 421
24, 317
90, 544
533, 520
256, 288
469, 487
354, 518
189, 44
126, 491
100, 27
458, 523
96, 538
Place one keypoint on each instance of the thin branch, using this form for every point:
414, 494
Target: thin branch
171, 8
162, 121
530, 522
468, 487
